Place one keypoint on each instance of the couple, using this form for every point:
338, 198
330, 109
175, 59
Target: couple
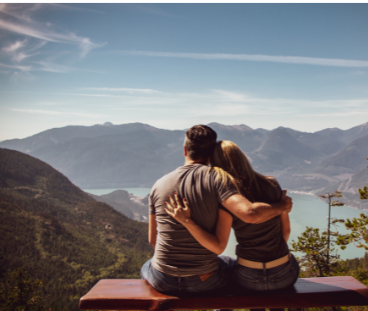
188, 239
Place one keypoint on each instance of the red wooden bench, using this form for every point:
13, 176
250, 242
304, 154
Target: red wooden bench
115, 294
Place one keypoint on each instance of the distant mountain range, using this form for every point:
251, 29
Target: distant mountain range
136, 155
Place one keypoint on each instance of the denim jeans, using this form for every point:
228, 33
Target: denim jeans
279, 277
177, 285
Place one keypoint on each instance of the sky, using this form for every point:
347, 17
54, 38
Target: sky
303, 66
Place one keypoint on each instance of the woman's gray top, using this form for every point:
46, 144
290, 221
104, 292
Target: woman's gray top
262, 242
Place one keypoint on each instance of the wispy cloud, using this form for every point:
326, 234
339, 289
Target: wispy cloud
14, 46
38, 31
347, 113
18, 67
17, 52
219, 110
44, 66
257, 58
216, 103
18, 19
226, 103
180, 110
52, 67
57, 113
123, 90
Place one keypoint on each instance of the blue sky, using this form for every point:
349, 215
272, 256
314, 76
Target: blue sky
303, 66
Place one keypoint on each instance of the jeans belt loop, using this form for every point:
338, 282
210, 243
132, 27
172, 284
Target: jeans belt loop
267, 265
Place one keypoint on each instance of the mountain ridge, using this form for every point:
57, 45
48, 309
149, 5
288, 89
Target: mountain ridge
136, 155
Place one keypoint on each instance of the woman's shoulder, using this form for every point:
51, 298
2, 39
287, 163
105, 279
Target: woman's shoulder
270, 187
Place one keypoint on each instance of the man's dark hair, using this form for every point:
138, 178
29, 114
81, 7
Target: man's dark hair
200, 142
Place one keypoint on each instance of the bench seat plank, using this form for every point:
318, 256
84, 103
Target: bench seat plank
121, 294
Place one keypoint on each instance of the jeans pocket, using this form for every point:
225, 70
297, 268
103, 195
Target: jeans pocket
251, 279
285, 277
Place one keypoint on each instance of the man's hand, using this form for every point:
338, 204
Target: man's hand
257, 212
286, 202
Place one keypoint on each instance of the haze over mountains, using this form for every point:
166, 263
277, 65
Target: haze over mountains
136, 155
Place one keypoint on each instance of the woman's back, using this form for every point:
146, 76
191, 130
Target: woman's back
262, 242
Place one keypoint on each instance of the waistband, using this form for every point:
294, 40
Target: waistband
203, 277
263, 265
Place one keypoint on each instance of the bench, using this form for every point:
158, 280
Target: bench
118, 294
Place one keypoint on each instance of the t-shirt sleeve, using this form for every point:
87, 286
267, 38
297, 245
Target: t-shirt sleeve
224, 190
277, 190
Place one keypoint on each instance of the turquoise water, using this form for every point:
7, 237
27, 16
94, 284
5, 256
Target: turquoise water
307, 210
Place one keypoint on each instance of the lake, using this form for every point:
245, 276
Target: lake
307, 210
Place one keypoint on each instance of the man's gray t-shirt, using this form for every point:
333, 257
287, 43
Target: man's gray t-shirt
176, 251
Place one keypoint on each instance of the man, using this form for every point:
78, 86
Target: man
180, 264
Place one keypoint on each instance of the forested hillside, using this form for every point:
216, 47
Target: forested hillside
60, 234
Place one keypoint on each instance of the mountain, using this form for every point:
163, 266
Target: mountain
62, 235
349, 160
130, 205
136, 154
57, 136
245, 137
323, 144
349, 188
280, 150
346, 136
131, 155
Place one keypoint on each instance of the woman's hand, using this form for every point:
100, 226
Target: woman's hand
179, 212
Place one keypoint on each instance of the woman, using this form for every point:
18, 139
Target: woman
264, 261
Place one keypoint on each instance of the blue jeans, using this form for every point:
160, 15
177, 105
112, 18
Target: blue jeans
177, 285
279, 277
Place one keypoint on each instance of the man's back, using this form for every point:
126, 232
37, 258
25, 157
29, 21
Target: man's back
177, 252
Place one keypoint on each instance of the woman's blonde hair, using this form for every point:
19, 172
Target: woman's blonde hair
228, 158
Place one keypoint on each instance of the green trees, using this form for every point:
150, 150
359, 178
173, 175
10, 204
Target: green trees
358, 227
20, 292
320, 254
364, 192
58, 234
319, 259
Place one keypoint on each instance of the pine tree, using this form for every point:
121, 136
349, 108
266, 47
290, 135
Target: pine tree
328, 198
319, 259
357, 226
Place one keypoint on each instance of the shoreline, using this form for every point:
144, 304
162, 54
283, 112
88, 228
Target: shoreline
301, 192
310, 193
